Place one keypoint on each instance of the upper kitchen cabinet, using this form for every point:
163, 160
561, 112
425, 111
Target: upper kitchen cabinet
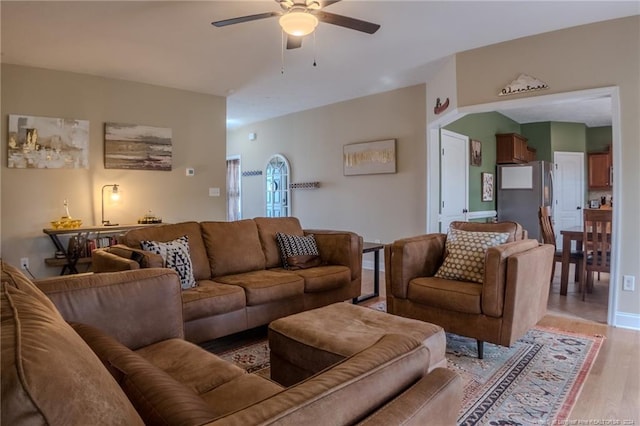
600, 170
512, 148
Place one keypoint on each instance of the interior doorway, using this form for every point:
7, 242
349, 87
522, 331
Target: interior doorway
433, 171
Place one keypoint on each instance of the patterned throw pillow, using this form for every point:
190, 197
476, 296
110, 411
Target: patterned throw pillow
465, 254
176, 256
298, 252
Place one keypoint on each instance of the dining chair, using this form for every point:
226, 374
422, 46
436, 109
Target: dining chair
549, 237
596, 236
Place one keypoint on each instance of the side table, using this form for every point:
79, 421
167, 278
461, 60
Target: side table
368, 247
71, 260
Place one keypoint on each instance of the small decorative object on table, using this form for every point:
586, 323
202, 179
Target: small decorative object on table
149, 218
66, 222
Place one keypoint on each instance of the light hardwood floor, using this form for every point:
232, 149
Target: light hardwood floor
611, 393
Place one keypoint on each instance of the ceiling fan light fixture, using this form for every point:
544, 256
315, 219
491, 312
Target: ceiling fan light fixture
298, 23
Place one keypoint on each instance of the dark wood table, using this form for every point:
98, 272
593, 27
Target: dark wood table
570, 234
375, 248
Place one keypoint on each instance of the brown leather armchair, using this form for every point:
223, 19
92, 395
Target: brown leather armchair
511, 299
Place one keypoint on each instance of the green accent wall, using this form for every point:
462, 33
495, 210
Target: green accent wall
599, 138
539, 137
483, 127
568, 137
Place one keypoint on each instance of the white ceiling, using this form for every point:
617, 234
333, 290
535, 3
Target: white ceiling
173, 44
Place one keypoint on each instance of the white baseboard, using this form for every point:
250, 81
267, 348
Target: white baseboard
627, 320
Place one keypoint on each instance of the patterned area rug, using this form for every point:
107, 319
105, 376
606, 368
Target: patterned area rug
536, 381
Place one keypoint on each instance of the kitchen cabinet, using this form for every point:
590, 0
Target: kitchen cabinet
600, 170
511, 148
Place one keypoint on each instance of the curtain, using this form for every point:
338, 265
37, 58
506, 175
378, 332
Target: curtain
233, 190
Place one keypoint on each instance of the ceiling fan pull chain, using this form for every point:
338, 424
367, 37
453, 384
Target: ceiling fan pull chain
314, 49
282, 41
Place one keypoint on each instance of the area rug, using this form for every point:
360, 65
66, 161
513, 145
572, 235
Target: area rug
536, 381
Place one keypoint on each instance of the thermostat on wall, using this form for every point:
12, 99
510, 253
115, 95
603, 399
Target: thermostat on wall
190, 171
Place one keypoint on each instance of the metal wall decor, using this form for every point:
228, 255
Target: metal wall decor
305, 185
252, 173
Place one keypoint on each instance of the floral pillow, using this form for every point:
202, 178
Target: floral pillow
465, 254
176, 256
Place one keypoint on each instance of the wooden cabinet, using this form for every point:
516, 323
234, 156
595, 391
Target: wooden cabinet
511, 148
531, 154
600, 164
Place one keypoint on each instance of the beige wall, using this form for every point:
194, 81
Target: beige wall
591, 56
383, 207
31, 198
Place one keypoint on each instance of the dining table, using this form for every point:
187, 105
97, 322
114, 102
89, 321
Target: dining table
573, 233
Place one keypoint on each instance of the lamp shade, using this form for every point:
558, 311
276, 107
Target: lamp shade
298, 23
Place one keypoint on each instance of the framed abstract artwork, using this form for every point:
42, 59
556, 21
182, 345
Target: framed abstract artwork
134, 146
475, 151
47, 143
368, 158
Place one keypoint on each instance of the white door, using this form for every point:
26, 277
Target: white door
568, 191
454, 178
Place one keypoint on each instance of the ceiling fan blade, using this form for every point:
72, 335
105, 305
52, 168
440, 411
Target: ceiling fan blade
248, 18
328, 2
294, 42
345, 21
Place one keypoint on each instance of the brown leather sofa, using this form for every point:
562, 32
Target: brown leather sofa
108, 349
511, 299
238, 271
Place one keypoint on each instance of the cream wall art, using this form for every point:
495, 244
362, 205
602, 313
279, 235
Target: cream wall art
47, 143
133, 146
370, 158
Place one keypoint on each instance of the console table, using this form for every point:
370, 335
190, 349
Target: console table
375, 248
71, 260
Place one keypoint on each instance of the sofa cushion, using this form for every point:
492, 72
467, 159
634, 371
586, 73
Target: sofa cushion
232, 247
159, 398
177, 358
298, 252
466, 254
211, 298
267, 228
266, 286
169, 232
176, 256
49, 375
323, 278
451, 295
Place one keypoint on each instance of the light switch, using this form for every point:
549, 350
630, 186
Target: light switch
214, 192
190, 171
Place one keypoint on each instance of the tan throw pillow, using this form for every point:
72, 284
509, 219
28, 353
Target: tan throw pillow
465, 254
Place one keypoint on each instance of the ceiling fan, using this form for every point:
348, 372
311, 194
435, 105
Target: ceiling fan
300, 18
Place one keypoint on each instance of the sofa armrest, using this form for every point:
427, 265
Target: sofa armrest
527, 290
340, 248
104, 261
367, 379
137, 307
434, 399
495, 274
409, 258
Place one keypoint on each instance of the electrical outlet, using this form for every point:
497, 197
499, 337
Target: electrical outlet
629, 283
24, 262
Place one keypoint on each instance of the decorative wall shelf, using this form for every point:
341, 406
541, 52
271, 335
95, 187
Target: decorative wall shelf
305, 185
252, 173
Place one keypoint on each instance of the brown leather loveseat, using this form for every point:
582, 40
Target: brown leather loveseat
240, 282
108, 349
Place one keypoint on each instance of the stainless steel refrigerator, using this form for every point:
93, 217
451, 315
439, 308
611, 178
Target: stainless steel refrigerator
522, 190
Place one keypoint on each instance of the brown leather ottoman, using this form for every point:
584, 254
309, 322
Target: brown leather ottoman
308, 342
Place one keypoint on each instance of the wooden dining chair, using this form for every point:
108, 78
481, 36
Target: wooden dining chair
596, 236
549, 237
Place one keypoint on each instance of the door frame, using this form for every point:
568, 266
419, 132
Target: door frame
433, 168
